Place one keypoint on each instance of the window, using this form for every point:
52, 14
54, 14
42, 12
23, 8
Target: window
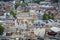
1, 13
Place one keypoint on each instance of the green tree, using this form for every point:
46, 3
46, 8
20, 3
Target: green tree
47, 16
16, 5
13, 13
1, 29
37, 1
51, 17
20, 4
54, 1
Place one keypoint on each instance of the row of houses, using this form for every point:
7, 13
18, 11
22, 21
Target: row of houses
16, 27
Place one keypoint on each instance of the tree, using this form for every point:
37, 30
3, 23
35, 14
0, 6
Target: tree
51, 17
54, 1
37, 1
20, 4
23, 0
16, 5
13, 13
1, 29
47, 16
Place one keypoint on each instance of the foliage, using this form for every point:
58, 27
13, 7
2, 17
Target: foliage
16, 5
37, 1
51, 17
47, 16
13, 13
54, 1
20, 4
1, 29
